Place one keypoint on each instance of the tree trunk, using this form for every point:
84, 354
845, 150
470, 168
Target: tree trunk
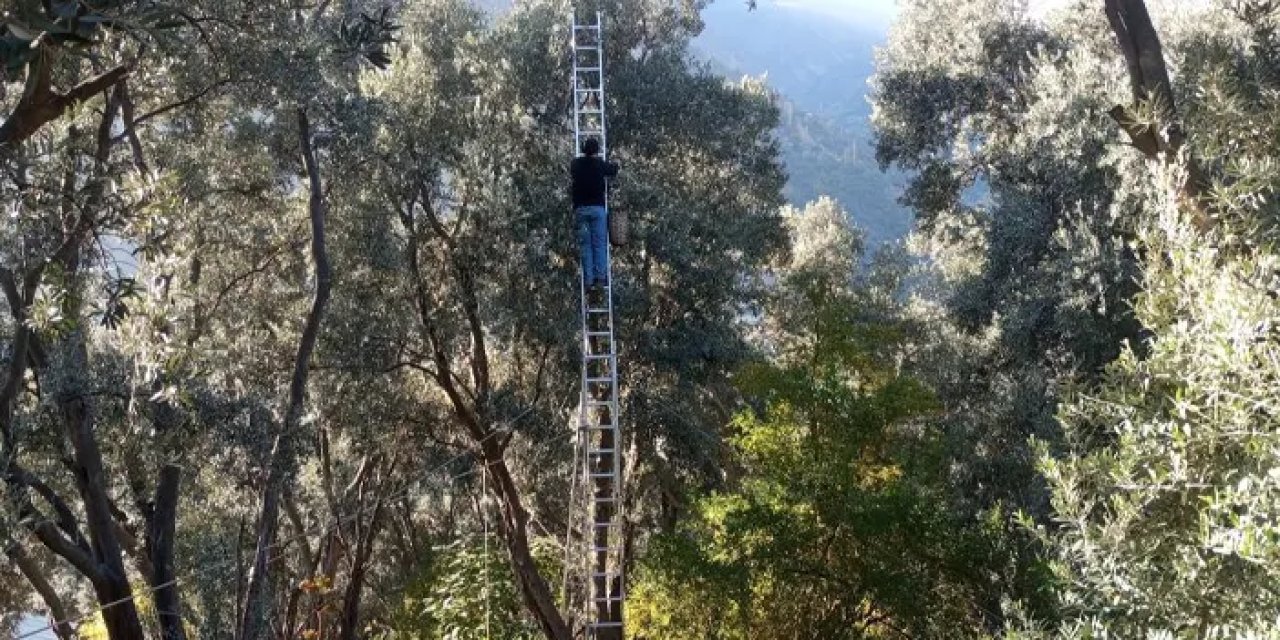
100, 558
349, 628
1163, 140
35, 575
110, 580
111, 584
468, 408
160, 542
258, 593
258, 596
533, 588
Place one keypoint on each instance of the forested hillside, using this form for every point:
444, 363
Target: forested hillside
291, 343
819, 65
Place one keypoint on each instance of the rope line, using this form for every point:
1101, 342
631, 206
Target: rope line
484, 519
75, 620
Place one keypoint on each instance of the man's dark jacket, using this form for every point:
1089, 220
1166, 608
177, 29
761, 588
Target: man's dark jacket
589, 173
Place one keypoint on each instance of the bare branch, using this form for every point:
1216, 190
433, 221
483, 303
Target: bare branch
254, 624
131, 128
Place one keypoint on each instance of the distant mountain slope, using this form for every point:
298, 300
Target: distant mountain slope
820, 64
825, 158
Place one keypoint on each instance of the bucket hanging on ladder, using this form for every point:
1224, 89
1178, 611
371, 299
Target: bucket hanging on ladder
618, 228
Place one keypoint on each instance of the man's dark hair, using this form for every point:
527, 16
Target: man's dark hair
591, 147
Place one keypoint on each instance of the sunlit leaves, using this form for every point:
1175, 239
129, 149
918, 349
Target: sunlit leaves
805, 540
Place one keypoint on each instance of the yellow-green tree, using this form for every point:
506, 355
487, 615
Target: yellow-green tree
831, 527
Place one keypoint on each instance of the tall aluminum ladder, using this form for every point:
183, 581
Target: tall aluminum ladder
599, 439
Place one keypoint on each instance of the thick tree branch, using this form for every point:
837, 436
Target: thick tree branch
533, 587
349, 626
294, 515
17, 369
131, 126
41, 104
66, 519
56, 541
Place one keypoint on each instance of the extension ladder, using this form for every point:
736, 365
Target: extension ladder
599, 438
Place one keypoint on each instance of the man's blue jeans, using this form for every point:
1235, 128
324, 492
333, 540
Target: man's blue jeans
593, 239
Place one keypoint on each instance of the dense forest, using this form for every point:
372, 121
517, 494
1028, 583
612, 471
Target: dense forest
289, 339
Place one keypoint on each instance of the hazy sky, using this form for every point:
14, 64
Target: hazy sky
880, 11
883, 11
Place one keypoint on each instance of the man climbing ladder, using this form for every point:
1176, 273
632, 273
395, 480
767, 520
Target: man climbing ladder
590, 172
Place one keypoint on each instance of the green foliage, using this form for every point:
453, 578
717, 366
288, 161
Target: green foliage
831, 526
1166, 496
1024, 207
464, 592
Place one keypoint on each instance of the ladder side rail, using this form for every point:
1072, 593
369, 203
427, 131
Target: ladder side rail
615, 417
582, 437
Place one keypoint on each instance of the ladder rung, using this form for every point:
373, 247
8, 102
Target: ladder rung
597, 310
607, 599
588, 69
597, 334
603, 356
597, 427
599, 380
601, 452
605, 625
605, 525
601, 475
